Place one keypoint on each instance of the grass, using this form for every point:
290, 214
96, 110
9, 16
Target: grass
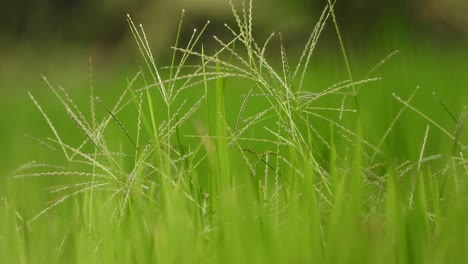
226, 157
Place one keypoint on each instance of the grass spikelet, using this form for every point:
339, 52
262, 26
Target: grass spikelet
118, 122
51, 126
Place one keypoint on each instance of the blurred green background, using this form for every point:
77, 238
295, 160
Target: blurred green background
57, 38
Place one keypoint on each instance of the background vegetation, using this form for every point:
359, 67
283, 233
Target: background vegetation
57, 40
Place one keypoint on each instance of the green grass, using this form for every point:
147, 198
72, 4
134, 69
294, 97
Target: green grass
226, 157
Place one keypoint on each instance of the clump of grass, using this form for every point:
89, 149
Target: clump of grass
291, 181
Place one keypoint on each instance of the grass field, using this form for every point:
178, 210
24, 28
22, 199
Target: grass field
231, 156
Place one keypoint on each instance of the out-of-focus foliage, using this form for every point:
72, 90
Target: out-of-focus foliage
84, 21
446, 14
67, 21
